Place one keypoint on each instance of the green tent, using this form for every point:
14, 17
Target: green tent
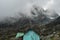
19, 35
31, 35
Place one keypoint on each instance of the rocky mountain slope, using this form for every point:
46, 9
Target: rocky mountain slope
47, 26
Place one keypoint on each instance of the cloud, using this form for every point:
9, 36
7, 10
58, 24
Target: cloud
11, 8
48, 5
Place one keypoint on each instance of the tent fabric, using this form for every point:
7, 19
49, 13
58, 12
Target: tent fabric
19, 35
31, 35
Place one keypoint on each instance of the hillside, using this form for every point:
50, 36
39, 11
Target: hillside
40, 23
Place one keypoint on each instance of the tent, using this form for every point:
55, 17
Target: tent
31, 35
19, 35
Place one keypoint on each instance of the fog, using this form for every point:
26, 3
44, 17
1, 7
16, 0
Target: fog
11, 8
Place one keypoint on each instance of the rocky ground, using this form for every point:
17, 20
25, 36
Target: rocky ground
11, 33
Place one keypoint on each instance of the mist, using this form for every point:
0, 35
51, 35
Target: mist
11, 8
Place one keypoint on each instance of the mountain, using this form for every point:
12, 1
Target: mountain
10, 26
38, 17
55, 22
54, 26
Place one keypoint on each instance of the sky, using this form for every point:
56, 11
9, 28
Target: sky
11, 8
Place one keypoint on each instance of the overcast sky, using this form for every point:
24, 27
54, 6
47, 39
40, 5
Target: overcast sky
12, 7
